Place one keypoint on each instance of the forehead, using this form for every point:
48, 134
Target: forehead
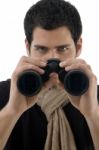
50, 37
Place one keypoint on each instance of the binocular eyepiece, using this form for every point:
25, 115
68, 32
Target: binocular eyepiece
75, 81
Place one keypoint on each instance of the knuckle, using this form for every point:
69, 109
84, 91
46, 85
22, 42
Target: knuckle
83, 61
23, 58
89, 66
78, 65
94, 77
14, 74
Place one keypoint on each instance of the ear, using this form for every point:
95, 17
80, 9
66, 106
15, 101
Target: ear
78, 47
27, 47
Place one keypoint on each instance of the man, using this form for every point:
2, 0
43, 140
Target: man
53, 30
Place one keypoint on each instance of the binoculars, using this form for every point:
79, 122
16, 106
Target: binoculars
75, 81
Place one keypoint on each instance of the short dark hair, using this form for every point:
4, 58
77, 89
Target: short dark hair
51, 14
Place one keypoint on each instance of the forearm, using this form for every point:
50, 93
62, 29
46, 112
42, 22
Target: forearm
8, 119
93, 124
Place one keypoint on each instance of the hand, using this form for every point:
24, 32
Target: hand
17, 101
87, 103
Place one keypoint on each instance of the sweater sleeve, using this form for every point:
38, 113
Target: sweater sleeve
4, 92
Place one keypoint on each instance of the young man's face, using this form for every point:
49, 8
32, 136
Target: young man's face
57, 43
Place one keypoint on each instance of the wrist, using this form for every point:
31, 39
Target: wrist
12, 111
93, 116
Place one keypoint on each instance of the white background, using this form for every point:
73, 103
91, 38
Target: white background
12, 36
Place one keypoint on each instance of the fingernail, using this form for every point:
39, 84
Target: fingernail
67, 68
42, 71
43, 64
62, 64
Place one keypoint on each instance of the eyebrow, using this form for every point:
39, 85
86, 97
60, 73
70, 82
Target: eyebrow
58, 46
40, 46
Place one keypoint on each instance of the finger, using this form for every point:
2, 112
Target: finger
34, 61
24, 67
71, 61
83, 67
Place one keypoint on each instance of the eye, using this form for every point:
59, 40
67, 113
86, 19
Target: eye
63, 48
41, 49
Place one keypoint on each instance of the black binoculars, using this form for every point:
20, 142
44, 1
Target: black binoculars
75, 81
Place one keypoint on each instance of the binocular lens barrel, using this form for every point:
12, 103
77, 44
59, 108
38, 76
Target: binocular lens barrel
76, 82
29, 83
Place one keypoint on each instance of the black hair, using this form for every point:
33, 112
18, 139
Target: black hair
51, 14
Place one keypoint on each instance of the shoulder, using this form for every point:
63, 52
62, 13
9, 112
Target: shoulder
4, 92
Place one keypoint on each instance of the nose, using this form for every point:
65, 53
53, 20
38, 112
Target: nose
53, 54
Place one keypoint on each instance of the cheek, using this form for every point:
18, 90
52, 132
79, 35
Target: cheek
69, 54
34, 54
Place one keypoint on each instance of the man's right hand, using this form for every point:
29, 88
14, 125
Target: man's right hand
17, 101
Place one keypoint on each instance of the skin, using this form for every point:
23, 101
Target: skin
57, 43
